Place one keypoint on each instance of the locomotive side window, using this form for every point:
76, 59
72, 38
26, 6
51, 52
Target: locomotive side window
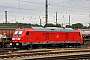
79, 33
27, 33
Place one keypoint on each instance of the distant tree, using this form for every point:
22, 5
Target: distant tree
89, 27
35, 25
58, 25
77, 25
85, 27
49, 25
68, 26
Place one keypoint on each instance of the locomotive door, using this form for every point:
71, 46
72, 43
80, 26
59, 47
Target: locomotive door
47, 36
27, 36
66, 36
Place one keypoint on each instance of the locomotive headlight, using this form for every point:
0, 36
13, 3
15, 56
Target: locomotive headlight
18, 38
13, 38
10, 43
17, 43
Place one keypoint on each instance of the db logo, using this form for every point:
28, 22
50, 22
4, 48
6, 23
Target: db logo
57, 36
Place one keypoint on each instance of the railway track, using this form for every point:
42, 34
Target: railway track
7, 50
48, 53
40, 54
65, 57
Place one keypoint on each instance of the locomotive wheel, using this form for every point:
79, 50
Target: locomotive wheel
29, 47
40, 46
75, 45
66, 45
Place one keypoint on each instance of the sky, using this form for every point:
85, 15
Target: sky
31, 11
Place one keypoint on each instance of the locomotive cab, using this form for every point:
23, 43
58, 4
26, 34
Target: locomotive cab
21, 37
16, 38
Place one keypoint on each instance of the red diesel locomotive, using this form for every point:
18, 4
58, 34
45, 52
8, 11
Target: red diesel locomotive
39, 36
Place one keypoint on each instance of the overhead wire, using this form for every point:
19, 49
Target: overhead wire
52, 4
41, 3
19, 8
36, 3
31, 2
68, 6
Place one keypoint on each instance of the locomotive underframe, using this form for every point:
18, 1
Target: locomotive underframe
31, 45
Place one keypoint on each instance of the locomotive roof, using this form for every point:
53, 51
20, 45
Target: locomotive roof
53, 29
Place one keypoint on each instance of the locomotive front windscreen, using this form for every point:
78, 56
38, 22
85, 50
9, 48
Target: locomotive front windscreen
18, 33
